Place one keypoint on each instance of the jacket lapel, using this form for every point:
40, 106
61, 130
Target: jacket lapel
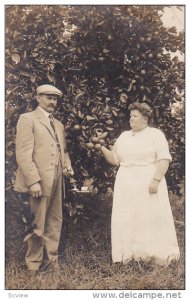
44, 121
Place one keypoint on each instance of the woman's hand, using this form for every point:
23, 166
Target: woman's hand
153, 188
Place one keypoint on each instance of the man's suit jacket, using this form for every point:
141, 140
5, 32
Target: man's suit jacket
36, 151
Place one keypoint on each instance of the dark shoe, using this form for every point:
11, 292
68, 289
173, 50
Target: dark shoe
32, 272
50, 266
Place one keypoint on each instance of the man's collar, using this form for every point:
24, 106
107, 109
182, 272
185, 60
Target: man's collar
46, 114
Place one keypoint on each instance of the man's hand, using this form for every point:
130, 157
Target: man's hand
153, 188
35, 190
68, 172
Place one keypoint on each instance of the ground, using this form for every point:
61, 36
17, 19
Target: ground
85, 256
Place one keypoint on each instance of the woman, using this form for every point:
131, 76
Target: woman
142, 222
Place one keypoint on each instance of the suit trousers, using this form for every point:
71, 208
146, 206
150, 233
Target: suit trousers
47, 218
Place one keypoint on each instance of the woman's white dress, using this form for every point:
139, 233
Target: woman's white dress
142, 223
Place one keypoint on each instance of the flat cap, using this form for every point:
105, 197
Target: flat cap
48, 90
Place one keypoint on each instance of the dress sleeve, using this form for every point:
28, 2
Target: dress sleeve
162, 149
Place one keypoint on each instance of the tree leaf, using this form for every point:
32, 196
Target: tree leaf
90, 118
51, 78
15, 58
80, 115
109, 122
123, 98
109, 128
114, 113
34, 54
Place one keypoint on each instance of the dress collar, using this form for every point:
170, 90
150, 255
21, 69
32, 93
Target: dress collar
135, 132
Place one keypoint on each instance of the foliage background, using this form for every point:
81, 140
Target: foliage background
103, 58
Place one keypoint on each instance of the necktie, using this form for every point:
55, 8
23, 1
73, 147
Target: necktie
51, 119
56, 137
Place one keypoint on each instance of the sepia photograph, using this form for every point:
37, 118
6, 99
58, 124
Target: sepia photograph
95, 148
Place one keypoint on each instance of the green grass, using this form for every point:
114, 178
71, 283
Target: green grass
85, 260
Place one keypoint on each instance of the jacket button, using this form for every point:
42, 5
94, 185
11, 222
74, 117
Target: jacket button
51, 145
52, 154
52, 164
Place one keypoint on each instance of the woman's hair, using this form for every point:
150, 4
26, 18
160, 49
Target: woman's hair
143, 108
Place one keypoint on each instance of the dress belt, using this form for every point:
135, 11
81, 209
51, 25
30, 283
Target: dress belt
137, 165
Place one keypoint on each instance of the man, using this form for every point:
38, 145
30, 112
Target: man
42, 162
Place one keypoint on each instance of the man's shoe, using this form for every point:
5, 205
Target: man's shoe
32, 272
50, 266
